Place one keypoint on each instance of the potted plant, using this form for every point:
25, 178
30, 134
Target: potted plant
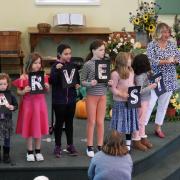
174, 105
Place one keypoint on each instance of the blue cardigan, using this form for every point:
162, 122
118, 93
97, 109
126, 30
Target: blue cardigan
106, 167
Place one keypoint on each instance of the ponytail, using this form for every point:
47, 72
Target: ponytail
89, 56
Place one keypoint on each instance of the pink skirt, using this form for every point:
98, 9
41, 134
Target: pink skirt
33, 116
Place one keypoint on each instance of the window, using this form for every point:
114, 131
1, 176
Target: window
67, 2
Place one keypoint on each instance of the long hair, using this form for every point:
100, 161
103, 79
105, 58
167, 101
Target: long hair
93, 46
141, 64
121, 64
159, 29
114, 145
31, 59
6, 76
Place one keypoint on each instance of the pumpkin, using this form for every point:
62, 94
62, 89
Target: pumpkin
110, 113
81, 109
137, 45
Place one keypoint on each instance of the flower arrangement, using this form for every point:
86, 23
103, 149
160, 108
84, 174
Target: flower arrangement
175, 101
119, 42
146, 18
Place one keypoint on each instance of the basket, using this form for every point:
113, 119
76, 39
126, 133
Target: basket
44, 27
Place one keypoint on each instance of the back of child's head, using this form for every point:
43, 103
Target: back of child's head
31, 59
141, 64
5, 76
93, 46
113, 144
61, 48
41, 178
122, 64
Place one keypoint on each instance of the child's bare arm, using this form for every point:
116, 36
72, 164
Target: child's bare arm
22, 92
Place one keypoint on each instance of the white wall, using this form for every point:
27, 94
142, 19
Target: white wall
20, 14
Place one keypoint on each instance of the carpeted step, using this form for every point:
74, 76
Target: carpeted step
164, 169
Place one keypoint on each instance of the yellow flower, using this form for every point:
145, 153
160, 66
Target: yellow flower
151, 28
145, 17
175, 101
145, 21
136, 21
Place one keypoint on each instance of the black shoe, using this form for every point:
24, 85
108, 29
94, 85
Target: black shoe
71, 150
6, 157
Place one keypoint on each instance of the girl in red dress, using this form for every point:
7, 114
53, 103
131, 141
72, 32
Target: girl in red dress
32, 120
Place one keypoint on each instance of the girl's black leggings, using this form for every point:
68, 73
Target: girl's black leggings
64, 113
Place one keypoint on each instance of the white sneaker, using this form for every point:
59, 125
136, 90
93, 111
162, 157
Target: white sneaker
39, 157
90, 153
30, 157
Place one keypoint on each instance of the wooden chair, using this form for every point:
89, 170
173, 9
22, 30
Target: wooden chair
10, 48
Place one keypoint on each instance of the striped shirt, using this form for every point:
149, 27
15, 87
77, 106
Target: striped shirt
87, 75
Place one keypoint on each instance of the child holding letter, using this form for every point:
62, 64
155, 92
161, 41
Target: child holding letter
142, 69
124, 119
32, 120
63, 100
8, 104
96, 96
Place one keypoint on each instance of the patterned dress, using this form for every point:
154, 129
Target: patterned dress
155, 54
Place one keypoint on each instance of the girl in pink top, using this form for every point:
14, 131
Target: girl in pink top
32, 120
124, 118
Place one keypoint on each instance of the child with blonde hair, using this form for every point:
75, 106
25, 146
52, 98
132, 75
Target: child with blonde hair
124, 118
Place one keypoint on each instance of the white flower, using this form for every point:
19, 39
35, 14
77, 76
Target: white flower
132, 41
115, 50
119, 44
121, 39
